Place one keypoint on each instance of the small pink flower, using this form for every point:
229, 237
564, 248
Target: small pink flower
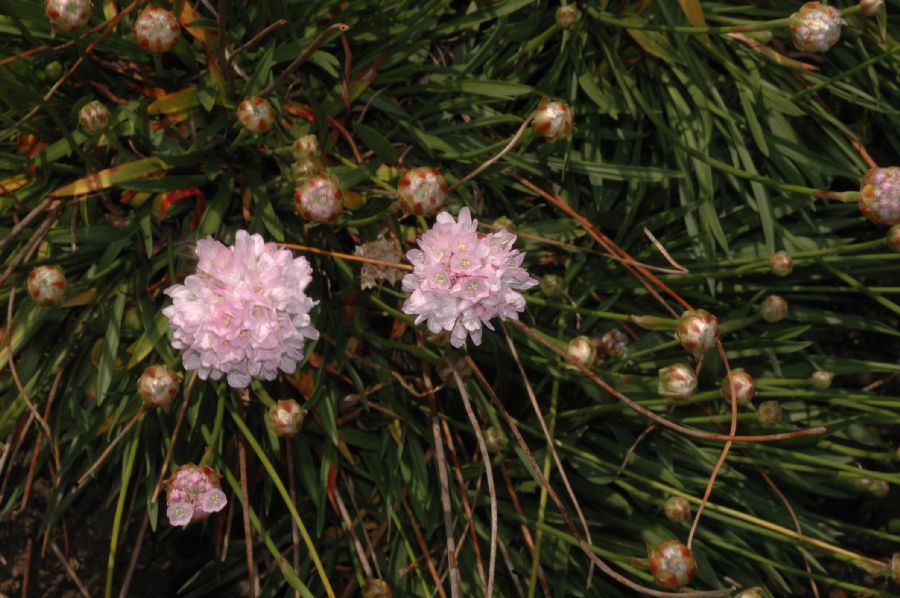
244, 314
213, 500
180, 513
461, 280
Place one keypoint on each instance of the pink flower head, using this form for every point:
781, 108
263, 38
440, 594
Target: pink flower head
461, 280
192, 494
244, 314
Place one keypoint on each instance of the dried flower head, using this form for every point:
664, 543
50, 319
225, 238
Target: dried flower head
192, 494
612, 343
879, 197
462, 280
46, 285
816, 27
678, 509
244, 314
380, 249
697, 331
156, 29
672, 564
256, 114
158, 386
744, 387
553, 120
422, 191
677, 381
93, 117
68, 15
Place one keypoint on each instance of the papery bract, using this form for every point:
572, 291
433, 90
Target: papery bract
244, 314
462, 280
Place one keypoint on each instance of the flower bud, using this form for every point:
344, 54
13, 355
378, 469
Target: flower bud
285, 417
816, 27
256, 114
744, 387
697, 331
892, 239
131, 322
156, 29
677, 381
821, 379
672, 564
495, 440
450, 362
879, 196
93, 117
553, 120
895, 567
193, 493
68, 15
505, 223
300, 171
319, 199
581, 351
568, 16
422, 191
306, 149
871, 7
551, 286
756, 592
158, 386
613, 343
678, 509
774, 308
769, 413
377, 588
46, 285
877, 488
781, 263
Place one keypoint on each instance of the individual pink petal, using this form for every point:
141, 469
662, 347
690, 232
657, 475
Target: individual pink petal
180, 513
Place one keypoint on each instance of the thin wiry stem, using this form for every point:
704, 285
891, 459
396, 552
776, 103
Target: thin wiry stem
489, 474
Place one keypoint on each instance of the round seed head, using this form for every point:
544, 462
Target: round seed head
568, 16
672, 564
678, 509
553, 120
46, 285
697, 331
422, 191
285, 417
782, 263
256, 114
158, 386
816, 27
744, 387
774, 308
769, 413
156, 29
821, 379
581, 351
319, 199
677, 381
68, 15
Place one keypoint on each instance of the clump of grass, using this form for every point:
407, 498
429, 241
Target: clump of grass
704, 147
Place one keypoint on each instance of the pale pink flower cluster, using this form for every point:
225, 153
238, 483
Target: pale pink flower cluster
461, 280
244, 314
192, 494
